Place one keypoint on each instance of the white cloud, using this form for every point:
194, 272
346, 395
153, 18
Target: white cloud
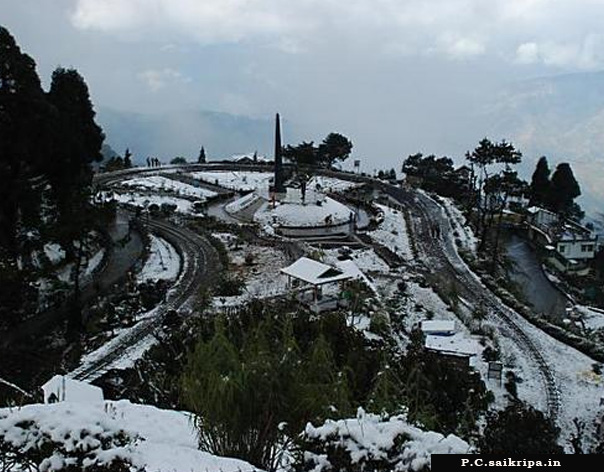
527, 53
582, 55
561, 32
462, 48
157, 79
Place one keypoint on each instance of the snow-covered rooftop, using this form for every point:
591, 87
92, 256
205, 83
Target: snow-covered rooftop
69, 390
315, 272
438, 326
458, 344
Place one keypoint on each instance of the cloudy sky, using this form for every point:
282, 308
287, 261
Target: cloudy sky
396, 76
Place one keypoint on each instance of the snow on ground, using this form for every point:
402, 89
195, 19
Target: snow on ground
262, 277
310, 214
430, 306
163, 262
225, 238
392, 233
331, 184
240, 181
161, 440
241, 203
54, 252
592, 318
370, 437
365, 259
121, 337
143, 201
461, 229
164, 184
580, 389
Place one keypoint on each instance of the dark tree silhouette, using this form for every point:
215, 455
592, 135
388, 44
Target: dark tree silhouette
483, 157
335, 147
78, 142
24, 142
202, 156
304, 154
564, 189
540, 184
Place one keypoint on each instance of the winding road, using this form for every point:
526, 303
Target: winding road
441, 256
200, 263
438, 253
199, 266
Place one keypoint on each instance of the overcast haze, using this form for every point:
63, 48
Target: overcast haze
395, 76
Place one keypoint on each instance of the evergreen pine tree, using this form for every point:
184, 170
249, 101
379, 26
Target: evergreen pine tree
202, 156
78, 142
540, 184
24, 141
564, 189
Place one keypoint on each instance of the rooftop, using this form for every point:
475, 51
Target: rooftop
315, 272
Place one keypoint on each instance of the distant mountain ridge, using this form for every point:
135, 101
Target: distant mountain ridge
561, 117
183, 133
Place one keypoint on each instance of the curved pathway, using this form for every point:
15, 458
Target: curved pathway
200, 264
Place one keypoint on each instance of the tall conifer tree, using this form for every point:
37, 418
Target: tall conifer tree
564, 189
540, 184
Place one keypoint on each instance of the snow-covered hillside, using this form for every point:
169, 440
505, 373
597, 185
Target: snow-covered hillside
153, 439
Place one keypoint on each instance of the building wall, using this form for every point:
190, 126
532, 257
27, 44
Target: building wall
585, 249
316, 231
544, 218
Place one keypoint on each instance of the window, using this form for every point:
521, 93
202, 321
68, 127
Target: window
561, 248
587, 247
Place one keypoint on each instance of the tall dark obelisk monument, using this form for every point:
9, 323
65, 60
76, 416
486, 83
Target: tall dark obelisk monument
279, 186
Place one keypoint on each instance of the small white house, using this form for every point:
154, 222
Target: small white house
63, 389
458, 347
570, 244
577, 245
438, 327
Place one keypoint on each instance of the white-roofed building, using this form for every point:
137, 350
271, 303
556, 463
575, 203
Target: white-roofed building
309, 277
458, 346
63, 389
570, 245
438, 327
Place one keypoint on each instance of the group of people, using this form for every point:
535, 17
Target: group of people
153, 162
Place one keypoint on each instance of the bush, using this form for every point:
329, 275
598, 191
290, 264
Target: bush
521, 429
372, 443
32, 447
229, 286
250, 395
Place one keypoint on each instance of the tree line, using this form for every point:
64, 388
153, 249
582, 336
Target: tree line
489, 184
48, 141
333, 149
